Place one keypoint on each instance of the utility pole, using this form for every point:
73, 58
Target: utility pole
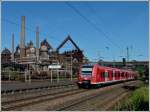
131, 52
127, 54
71, 66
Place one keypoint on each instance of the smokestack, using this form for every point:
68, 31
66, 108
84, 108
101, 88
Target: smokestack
37, 42
22, 40
13, 47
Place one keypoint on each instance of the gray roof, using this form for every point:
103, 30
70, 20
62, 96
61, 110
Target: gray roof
6, 51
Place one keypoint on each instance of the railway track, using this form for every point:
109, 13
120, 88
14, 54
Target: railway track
22, 96
27, 90
6, 98
100, 101
62, 100
80, 104
18, 104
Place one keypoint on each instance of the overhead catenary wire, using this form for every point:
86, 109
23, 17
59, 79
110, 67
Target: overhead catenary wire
100, 23
94, 13
92, 24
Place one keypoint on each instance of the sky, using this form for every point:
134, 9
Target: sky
103, 30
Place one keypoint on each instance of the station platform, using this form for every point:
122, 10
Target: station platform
16, 85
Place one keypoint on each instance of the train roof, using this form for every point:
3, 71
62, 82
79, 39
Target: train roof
105, 67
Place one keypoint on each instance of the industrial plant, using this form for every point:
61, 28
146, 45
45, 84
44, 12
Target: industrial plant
42, 59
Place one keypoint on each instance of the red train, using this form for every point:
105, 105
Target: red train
90, 75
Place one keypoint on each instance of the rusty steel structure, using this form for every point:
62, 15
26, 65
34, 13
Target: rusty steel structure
68, 39
76, 54
37, 58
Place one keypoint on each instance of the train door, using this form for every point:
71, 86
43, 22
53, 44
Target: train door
132, 75
113, 75
122, 75
119, 75
97, 75
106, 76
126, 75
102, 75
110, 75
116, 75
94, 74
129, 75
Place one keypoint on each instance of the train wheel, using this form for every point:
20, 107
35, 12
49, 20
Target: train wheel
87, 86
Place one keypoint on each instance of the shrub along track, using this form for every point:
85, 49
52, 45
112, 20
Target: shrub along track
68, 100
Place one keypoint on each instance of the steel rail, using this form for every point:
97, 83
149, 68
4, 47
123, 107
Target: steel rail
15, 105
105, 100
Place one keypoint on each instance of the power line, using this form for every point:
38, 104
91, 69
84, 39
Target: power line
102, 21
100, 18
94, 12
92, 24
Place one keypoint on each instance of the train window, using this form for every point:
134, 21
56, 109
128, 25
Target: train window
126, 74
102, 74
109, 74
122, 74
119, 74
115, 74
87, 70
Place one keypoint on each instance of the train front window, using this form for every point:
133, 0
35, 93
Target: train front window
86, 70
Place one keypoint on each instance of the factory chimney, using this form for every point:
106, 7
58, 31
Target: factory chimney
37, 42
12, 47
22, 37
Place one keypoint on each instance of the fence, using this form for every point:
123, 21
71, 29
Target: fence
28, 75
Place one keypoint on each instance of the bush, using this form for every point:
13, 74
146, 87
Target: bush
138, 101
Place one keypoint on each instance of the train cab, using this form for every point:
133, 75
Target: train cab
85, 75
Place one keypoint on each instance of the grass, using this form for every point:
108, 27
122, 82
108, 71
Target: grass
138, 101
